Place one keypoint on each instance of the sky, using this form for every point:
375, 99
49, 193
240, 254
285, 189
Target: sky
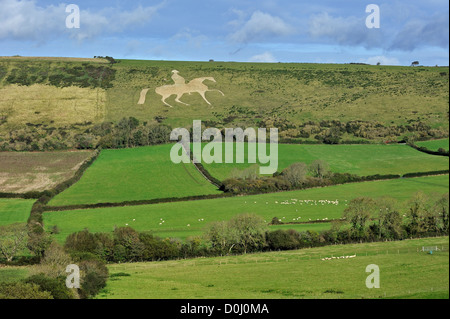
321, 31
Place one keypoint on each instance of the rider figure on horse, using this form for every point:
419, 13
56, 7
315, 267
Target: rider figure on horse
178, 79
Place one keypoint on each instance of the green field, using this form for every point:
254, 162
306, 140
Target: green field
404, 273
362, 160
181, 219
11, 274
434, 145
135, 174
14, 210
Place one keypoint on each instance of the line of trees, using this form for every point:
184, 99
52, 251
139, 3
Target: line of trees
296, 176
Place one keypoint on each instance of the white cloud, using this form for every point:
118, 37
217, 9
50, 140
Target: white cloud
191, 38
383, 60
350, 31
26, 20
259, 27
433, 31
240, 20
23, 20
264, 57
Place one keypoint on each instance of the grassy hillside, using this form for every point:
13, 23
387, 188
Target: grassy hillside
50, 93
14, 210
182, 219
405, 273
294, 93
362, 160
135, 174
76, 94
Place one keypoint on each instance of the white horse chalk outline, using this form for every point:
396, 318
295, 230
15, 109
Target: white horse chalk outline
180, 88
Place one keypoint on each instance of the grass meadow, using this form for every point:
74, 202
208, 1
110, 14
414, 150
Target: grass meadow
188, 218
12, 274
434, 145
14, 210
404, 273
135, 174
362, 160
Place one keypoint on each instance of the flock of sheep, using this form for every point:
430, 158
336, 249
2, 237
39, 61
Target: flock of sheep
342, 257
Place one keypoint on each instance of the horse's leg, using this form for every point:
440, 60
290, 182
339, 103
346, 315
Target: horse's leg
178, 99
202, 93
142, 97
163, 99
218, 91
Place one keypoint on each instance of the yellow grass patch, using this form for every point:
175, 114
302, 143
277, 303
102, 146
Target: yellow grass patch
40, 103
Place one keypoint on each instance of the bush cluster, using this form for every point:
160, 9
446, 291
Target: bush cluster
128, 132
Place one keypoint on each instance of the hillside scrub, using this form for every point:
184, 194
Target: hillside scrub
130, 132
127, 133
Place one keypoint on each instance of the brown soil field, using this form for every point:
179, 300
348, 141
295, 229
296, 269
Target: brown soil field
38, 171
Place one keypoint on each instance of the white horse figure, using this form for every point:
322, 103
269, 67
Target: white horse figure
194, 86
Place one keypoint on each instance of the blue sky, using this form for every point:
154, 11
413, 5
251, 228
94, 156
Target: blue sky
321, 31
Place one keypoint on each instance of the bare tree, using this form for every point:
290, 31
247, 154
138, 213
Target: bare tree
13, 239
319, 168
248, 230
54, 262
295, 173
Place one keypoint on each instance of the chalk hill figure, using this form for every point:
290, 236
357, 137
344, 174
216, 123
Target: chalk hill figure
180, 88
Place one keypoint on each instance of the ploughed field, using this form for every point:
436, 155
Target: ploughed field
22, 172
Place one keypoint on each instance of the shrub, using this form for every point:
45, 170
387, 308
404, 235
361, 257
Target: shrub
56, 286
282, 239
21, 290
82, 241
94, 277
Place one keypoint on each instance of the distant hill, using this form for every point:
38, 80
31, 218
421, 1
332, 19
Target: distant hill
303, 100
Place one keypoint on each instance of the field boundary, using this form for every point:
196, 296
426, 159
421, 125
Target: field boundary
138, 202
35, 221
425, 150
47, 208
204, 172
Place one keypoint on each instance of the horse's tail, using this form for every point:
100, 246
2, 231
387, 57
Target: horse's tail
143, 95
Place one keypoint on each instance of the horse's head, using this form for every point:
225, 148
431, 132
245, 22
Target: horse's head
210, 78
